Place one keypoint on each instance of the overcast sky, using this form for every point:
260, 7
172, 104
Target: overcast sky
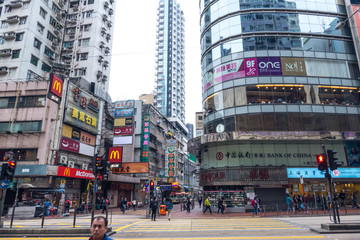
133, 53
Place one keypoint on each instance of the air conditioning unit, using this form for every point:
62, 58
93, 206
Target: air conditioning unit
84, 166
63, 160
71, 164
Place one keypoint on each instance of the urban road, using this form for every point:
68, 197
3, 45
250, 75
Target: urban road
194, 226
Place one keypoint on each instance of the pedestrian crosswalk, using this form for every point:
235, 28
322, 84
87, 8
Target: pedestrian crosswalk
190, 225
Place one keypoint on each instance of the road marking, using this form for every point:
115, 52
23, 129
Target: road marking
226, 238
129, 225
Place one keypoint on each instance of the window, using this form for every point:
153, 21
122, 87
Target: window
68, 44
22, 20
45, 67
82, 56
55, 24
4, 24
37, 43
90, 2
87, 14
55, 8
31, 101
34, 60
40, 28
84, 42
43, 13
15, 53
50, 36
19, 36
7, 102
85, 28
7, 9
80, 72
2, 40
11, 72
48, 52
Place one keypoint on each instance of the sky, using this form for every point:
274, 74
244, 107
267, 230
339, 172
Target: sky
133, 52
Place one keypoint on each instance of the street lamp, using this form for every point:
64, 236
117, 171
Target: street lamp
342, 23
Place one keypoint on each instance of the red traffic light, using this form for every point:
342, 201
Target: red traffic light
151, 183
11, 164
320, 158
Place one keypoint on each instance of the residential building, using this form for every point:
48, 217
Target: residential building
147, 98
199, 124
169, 96
279, 81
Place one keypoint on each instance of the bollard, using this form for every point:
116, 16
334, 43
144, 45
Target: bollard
74, 222
277, 209
43, 217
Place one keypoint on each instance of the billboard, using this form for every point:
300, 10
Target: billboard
69, 145
145, 138
315, 173
78, 135
121, 122
293, 66
75, 173
138, 167
124, 104
124, 113
82, 109
115, 154
55, 88
123, 140
170, 158
123, 131
269, 66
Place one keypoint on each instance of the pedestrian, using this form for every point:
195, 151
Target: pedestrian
318, 202
289, 203
200, 201
207, 205
169, 207
123, 204
103, 204
98, 203
99, 227
47, 205
324, 203
220, 206
354, 200
67, 206
188, 204
254, 203
154, 206
134, 204
342, 197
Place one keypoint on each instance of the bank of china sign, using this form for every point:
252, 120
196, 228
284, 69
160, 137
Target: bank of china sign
82, 109
75, 173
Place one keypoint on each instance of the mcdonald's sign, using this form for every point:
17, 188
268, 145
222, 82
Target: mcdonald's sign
115, 154
75, 173
55, 88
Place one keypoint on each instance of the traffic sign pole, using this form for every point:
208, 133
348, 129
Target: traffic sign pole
2, 207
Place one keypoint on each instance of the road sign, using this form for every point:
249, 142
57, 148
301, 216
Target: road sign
336, 172
4, 184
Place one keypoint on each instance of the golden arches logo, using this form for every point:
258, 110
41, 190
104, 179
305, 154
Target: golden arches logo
57, 86
115, 155
67, 172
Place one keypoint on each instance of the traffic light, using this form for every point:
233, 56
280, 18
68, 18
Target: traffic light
8, 169
332, 160
11, 170
3, 171
104, 165
152, 185
99, 166
321, 162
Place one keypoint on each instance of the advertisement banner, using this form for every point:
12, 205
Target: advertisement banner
269, 66
115, 154
170, 158
139, 167
87, 138
124, 104
251, 67
315, 173
145, 138
69, 145
353, 153
124, 113
86, 149
75, 173
208, 80
123, 131
124, 140
293, 66
67, 131
55, 88
121, 122
229, 71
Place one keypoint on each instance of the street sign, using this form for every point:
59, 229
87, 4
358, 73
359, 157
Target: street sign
165, 187
318, 187
96, 187
336, 172
4, 184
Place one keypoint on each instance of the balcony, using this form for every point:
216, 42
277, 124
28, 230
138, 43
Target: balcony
54, 44
61, 3
105, 64
104, 17
99, 74
103, 31
75, 7
111, 11
100, 59
102, 45
5, 52
109, 24
59, 17
71, 21
9, 35
104, 78
107, 50
57, 33
3, 70
106, 5
13, 19
15, 4
108, 37
112, 1
71, 34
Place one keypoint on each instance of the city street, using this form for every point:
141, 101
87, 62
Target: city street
195, 225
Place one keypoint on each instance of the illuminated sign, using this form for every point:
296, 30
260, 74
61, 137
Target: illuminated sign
138, 167
145, 138
315, 173
55, 88
124, 104
123, 131
69, 145
124, 113
75, 173
121, 122
115, 154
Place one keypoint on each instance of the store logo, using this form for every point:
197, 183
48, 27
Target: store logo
67, 172
115, 154
270, 65
56, 87
219, 156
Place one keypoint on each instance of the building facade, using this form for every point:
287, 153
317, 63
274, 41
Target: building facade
279, 81
169, 96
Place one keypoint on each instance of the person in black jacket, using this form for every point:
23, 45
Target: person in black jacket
220, 205
342, 197
154, 206
188, 204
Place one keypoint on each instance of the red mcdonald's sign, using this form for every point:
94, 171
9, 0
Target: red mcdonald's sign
56, 85
115, 154
75, 173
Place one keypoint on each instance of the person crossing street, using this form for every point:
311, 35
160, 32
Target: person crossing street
207, 205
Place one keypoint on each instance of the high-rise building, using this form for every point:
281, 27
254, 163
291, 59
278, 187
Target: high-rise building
169, 96
71, 37
279, 81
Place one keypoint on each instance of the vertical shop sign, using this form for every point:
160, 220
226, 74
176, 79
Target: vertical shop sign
144, 157
170, 158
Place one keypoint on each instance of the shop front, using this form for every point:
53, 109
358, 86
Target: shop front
239, 185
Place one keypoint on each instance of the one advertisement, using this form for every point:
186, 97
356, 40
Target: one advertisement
353, 153
208, 80
75, 173
69, 145
121, 122
123, 131
82, 109
251, 67
145, 138
138, 167
170, 158
293, 66
228, 71
78, 135
269, 66
315, 173
55, 88
124, 113
115, 154
124, 104
87, 138
86, 149
123, 140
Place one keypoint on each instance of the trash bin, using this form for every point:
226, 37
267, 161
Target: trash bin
162, 209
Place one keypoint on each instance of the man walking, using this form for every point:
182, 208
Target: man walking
154, 206
342, 197
169, 207
289, 203
98, 229
200, 201
254, 203
207, 205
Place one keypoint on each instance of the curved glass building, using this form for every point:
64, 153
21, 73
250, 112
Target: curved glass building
278, 81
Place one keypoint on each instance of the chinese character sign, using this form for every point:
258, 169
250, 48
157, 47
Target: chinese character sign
145, 139
170, 158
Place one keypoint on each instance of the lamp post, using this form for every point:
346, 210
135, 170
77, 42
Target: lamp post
342, 23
